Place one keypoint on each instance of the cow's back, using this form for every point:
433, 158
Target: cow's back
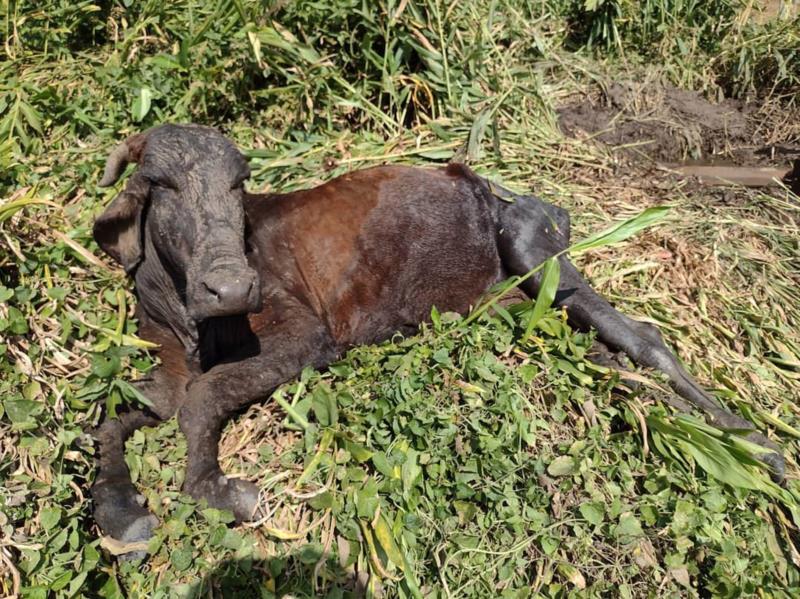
373, 250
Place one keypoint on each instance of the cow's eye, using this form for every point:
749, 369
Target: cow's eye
161, 183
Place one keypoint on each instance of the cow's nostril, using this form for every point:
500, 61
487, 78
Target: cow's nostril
229, 291
211, 290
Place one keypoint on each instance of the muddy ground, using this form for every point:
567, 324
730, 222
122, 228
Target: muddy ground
651, 123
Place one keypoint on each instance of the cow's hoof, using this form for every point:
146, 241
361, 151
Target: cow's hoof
777, 466
245, 499
774, 459
139, 530
232, 494
600, 354
120, 512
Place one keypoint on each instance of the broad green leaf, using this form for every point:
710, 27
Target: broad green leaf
31, 116
628, 528
562, 466
476, 133
593, 512
231, 539
386, 539
324, 501
358, 451
549, 544
547, 293
570, 368
181, 559
141, 104
131, 393
49, 517
382, 465
323, 402
621, 231
9, 209
22, 411
105, 367
466, 511
367, 500
410, 471
445, 154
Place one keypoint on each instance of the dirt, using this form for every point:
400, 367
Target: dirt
659, 123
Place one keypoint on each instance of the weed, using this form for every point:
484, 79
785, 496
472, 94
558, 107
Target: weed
486, 456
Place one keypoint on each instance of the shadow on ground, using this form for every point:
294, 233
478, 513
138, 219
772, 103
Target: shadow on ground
290, 576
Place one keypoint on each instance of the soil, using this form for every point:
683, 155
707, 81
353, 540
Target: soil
652, 122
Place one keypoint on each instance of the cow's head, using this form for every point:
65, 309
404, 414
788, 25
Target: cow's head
187, 197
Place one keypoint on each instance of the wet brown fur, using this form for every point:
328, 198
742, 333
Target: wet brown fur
341, 241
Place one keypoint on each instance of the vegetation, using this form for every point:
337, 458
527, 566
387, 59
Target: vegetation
472, 460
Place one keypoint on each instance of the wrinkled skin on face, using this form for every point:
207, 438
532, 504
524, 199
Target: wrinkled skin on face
179, 228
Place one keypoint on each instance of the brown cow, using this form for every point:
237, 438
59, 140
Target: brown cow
242, 291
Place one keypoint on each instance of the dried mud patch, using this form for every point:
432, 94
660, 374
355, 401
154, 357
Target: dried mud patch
655, 122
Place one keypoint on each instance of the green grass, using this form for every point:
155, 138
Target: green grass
471, 460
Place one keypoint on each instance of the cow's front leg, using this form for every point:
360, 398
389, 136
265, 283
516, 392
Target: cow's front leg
228, 388
118, 506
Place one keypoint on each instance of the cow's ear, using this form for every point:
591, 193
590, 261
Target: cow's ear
118, 231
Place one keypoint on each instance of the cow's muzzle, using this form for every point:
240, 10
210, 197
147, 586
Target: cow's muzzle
227, 292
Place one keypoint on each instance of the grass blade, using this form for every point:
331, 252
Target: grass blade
621, 231
546, 295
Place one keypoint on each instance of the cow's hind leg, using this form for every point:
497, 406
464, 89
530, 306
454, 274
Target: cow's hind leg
645, 346
528, 238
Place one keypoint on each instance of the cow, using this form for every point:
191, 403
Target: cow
242, 291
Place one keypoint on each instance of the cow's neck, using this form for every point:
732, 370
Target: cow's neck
162, 301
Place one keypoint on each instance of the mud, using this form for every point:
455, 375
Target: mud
657, 123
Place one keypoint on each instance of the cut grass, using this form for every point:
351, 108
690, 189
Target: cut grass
460, 462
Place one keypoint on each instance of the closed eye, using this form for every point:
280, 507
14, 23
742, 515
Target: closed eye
163, 184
